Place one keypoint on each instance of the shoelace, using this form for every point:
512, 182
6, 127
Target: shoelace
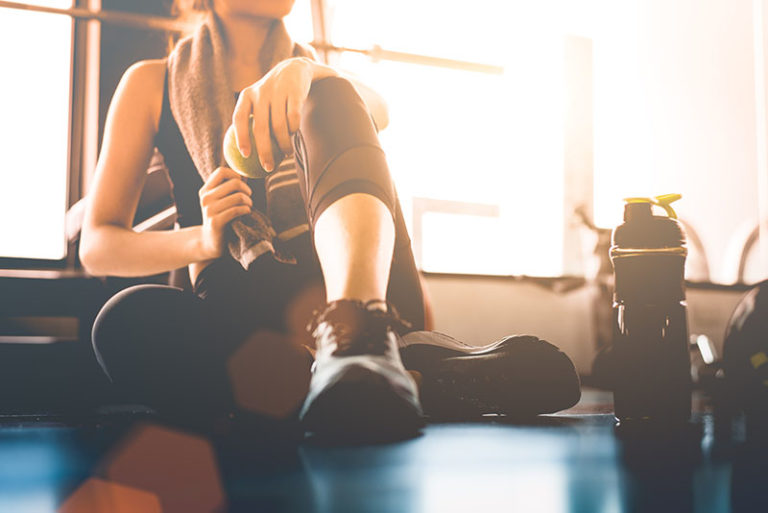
372, 338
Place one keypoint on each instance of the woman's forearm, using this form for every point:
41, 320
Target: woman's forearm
109, 250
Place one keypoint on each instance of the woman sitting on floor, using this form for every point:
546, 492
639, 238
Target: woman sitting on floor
326, 216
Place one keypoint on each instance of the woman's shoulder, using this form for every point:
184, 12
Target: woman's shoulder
148, 68
148, 75
144, 83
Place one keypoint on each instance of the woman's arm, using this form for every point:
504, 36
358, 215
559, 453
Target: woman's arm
108, 244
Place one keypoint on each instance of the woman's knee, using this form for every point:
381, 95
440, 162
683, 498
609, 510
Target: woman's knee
338, 149
330, 90
138, 314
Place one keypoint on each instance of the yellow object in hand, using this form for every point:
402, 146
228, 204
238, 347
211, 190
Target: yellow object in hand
249, 166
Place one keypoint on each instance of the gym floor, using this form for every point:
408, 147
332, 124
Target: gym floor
574, 461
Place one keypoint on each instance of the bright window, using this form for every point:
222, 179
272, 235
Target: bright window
35, 101
482, 139
299, 22
671, 90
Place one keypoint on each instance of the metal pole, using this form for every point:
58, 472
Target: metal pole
377, 53
112, 17
320, 29
321, 43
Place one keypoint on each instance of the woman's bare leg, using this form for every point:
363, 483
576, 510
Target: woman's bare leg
359, 386
354, 239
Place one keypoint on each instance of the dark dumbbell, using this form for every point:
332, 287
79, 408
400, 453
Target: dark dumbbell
745, 356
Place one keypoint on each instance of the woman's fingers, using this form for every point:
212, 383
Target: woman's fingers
219, 221
224, 189
261, 136
217, 177
294, 105
275, 102
228, 187
233, 200
280, 128
240, 119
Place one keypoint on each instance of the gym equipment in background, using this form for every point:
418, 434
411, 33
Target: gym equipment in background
745, 355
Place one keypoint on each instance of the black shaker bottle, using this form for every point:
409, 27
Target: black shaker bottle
650, 347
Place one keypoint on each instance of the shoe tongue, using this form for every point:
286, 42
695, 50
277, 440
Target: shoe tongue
350, 313
359, 317
356, 329
376, 305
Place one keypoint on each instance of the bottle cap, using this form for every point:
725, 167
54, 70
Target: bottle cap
664, 201
642, 229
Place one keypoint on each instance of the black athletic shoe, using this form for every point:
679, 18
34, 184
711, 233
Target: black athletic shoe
359, 388
518, 376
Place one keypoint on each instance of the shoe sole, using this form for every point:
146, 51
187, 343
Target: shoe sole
361, 406
502, 380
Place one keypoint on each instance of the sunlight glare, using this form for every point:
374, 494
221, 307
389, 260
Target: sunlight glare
34, 133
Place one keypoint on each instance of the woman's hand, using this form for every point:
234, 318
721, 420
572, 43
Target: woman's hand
223, 197
275, 102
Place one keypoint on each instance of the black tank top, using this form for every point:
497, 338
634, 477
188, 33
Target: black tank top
185, 180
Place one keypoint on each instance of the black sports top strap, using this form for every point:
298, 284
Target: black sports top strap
185, 179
